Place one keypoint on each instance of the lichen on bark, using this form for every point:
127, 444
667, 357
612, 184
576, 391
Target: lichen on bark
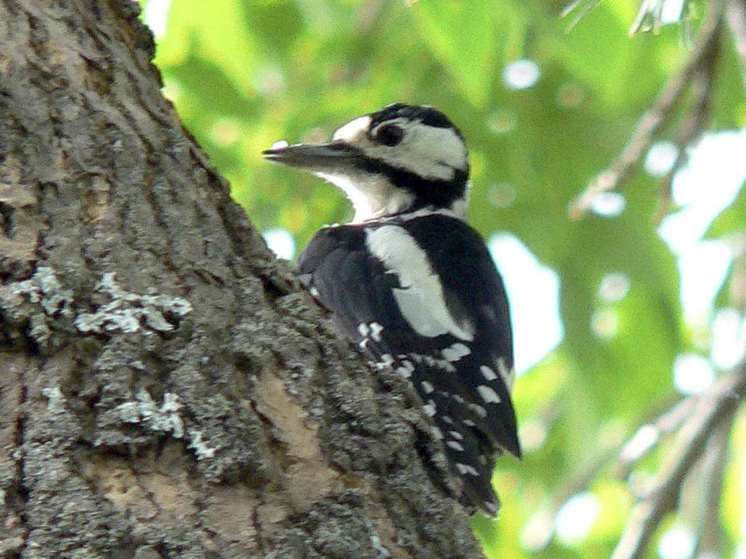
166, 387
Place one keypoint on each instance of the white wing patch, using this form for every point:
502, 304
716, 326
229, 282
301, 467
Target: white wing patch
420, 299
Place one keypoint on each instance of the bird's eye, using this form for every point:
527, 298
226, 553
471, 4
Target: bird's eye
389, 135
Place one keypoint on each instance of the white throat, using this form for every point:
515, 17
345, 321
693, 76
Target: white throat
372, 196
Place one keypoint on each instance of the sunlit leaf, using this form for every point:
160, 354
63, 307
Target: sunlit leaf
464, 37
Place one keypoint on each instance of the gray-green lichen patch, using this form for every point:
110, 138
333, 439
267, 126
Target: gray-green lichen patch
55, 399
128, 312
42, 288
144, 410
164, 418
200, 447
32, 305
36, 306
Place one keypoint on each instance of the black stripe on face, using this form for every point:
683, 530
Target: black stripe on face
428, 192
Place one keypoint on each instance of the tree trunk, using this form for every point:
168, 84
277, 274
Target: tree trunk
166, 389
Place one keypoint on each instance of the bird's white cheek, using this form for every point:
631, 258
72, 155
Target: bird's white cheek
415, 159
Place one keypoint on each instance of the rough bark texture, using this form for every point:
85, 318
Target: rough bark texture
166, 390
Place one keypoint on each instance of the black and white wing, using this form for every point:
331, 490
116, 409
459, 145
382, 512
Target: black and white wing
423, 297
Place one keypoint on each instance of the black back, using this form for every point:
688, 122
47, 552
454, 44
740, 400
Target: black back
356, 286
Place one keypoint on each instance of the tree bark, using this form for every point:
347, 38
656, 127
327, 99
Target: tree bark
166, 388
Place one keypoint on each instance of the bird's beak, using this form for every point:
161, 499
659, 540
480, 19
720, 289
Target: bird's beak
333, 156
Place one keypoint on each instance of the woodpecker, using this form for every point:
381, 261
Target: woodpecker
412, 284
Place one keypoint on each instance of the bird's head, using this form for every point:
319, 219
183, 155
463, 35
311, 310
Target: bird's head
400, 159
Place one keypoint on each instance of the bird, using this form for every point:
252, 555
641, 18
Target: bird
413, 284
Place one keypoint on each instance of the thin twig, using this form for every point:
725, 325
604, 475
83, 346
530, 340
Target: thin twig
710, 533
580, 481
650, 10
691, 128
647, 437
735, 15
570, 7
580, 12
654, 118
666, 416
717, 405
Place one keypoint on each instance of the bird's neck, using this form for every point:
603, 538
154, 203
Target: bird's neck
374, 197
457, 210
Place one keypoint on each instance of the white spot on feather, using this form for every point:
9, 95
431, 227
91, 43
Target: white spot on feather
455, 445
429, 408
479, 410
487, 373
376, 329
464, 469
427, 387
456, 352
445, 365
491, 507
488, 394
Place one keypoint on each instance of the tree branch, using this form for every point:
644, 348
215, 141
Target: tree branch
691, 129
713, 408
714, 461
655, 118
647, 437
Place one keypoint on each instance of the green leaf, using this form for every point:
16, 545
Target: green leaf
731, 220
217, 34
464, 36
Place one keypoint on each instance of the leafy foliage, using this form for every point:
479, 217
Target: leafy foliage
245, 73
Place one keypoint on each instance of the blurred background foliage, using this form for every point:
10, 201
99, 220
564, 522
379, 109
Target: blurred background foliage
616, 314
